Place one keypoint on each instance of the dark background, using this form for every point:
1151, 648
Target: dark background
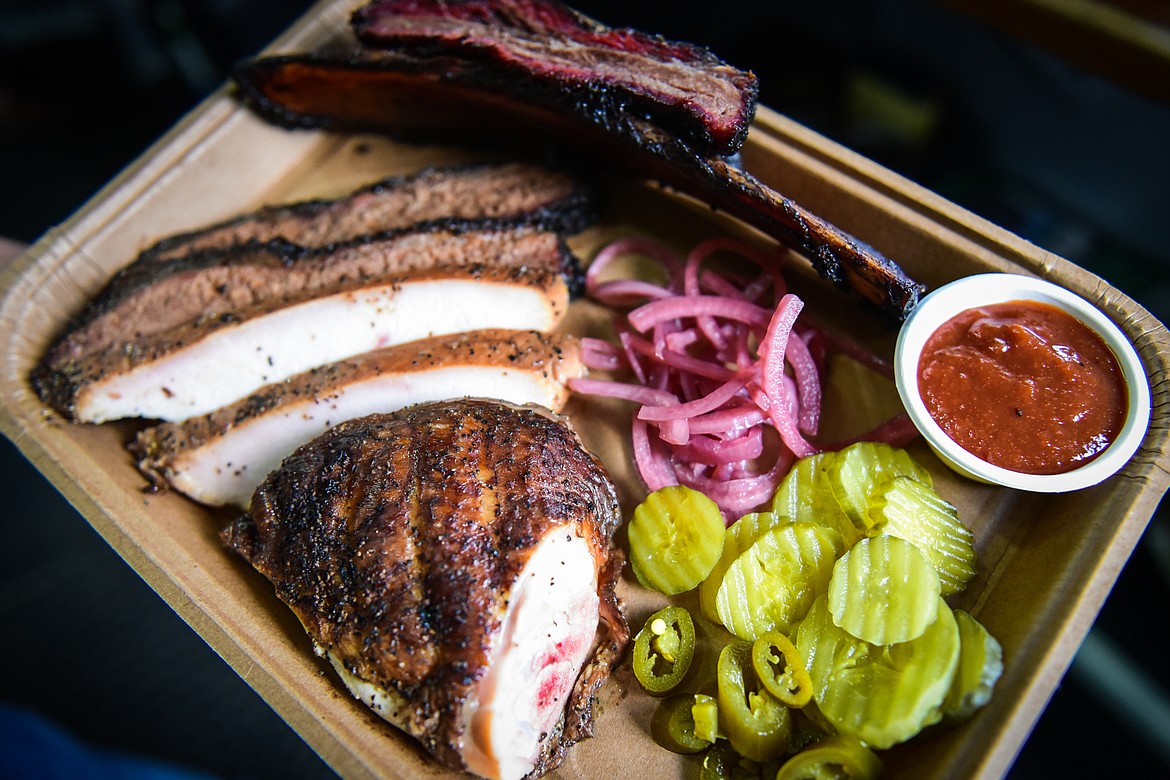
1037, 129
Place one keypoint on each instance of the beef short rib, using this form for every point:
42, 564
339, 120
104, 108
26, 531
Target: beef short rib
457, 101
574, 62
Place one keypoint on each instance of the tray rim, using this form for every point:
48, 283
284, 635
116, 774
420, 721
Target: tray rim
1147, 478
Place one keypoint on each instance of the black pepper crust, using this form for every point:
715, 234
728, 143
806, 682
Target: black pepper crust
62, 381
279, 253
545, 197
396, 540
164, 450
587, 69
461, 101
150, 296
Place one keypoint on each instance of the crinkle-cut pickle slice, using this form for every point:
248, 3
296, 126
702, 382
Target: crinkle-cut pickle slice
883, 591
856, 471
676, 536
908, 509
980, 665
805, 495
772, 583
881, 694
740, 535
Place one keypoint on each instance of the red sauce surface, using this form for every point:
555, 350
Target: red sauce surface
1024, 386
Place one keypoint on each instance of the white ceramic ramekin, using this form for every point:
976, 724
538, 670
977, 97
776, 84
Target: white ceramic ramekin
982, 289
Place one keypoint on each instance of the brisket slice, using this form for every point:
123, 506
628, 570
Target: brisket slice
505, 190
591, 70
149, 297
442, 97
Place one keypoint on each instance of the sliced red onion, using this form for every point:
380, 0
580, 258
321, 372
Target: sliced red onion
624, 338
653, 466
648, 315
783, 421
712, 451
702, 405
737, 496
775, 343
731, 422
774, 396
625, 291
808, 385
756, 289
705, 390
664, 256
604, 387
711, 282
677, 359
682, 339
601, 355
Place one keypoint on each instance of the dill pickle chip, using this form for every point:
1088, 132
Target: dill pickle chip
751, 526
740, 535
771, 584
881, 694
856, 471
805, 495
980, 665
911, 510
676, 536
883, 591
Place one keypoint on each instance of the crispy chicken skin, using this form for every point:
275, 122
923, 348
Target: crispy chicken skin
403, 541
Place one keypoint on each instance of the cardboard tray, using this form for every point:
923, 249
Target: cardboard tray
1047, 562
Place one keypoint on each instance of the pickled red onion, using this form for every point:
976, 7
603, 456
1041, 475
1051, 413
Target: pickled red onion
715, 361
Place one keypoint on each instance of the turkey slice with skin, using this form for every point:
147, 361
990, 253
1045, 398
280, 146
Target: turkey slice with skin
221, 458
199, 367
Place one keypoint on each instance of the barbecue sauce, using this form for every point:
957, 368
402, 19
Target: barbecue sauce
1024, 386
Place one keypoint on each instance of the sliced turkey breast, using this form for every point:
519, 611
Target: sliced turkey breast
148, 298
221, 457
196, 368
546, 635
500, 190
454, 561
